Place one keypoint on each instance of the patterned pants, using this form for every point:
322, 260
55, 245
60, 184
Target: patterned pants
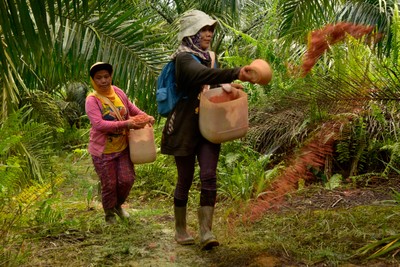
117, 175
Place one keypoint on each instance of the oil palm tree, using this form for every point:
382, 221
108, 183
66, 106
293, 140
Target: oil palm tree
47, 47
50, 44
300, 17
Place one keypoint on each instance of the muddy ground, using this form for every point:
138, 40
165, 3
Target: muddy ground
147, 238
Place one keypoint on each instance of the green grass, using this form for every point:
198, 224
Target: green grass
65, 227
332, 236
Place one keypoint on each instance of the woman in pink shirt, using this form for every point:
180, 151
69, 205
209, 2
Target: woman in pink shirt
108, 143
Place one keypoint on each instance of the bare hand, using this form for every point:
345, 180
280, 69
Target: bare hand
139, 121
151, 120
246, 74
237, 86
231, 89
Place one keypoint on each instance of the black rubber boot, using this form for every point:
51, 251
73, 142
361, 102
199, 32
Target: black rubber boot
123, 214
110, 216
207, 238
181, 235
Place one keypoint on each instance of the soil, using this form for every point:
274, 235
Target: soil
147, 239
376, 190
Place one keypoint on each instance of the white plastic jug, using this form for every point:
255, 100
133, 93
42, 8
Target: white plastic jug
224, 121
142, 147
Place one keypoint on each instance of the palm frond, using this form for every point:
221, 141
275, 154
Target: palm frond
301, 16
28, 142
378, 13
33, 145
43, 108
71, 35
121, 37
277, 128
358, 76
355, 81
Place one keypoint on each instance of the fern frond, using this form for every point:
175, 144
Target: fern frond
30, 194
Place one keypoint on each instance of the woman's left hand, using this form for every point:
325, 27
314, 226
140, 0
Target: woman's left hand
139, 121
151, 120
237, 86
231, 89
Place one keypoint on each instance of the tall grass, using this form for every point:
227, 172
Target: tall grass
242, 172
386, 245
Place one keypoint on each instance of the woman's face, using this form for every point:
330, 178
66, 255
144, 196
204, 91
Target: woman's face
206, 34
102, 79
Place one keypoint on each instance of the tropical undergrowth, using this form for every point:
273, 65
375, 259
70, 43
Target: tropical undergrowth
28, 178
65, 226
38, 161
62, 212
339, 122
330, 127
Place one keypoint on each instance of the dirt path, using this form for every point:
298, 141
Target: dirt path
313, 227
145, 240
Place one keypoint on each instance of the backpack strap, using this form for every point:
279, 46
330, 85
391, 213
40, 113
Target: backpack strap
212, 55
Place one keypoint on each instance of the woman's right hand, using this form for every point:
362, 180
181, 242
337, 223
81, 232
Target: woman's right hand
246, 75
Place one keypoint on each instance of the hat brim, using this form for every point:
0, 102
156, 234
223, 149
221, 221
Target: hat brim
192, 22
192, 31
100, 66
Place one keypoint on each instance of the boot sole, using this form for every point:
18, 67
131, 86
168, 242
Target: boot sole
185, 242
209, 244
188, 241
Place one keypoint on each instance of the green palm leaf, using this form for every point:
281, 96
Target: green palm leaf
302, 16
74, 36
28, 142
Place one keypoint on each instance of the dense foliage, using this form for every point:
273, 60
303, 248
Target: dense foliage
348, 99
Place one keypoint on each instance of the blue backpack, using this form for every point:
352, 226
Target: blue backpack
167, 95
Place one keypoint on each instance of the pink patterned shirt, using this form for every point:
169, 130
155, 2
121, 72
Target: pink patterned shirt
101, 128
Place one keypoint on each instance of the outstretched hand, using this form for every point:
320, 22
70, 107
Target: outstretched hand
246, 75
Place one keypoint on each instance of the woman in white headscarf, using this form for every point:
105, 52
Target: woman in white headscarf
181, 135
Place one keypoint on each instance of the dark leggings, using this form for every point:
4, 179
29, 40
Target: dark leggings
207, 155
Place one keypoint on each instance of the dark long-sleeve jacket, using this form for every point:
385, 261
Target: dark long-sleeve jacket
181, 132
